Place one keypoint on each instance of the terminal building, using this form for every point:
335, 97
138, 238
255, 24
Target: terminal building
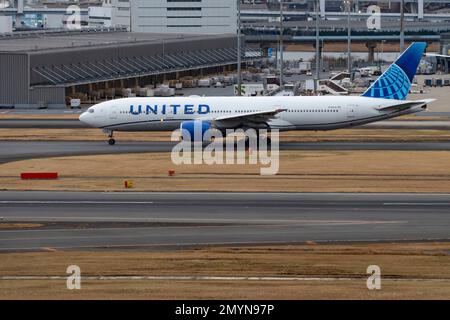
175, 16
155, 16
43, 69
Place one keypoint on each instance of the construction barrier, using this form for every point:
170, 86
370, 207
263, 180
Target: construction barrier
39, 175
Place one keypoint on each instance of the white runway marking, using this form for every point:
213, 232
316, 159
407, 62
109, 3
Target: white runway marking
72, 202
212, 278
416, 203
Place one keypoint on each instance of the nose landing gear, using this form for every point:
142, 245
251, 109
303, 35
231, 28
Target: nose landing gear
111, 140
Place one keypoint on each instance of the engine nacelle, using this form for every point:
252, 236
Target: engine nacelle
194, 130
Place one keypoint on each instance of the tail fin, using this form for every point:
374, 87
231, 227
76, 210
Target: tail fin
396, 81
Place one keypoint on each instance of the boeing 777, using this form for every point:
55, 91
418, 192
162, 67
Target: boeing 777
384, 99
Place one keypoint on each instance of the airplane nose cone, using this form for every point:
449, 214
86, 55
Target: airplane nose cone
84, 118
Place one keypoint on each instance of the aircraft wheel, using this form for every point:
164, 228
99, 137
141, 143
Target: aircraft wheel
111, 142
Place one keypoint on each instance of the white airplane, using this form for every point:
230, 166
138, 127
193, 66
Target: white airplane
384, 99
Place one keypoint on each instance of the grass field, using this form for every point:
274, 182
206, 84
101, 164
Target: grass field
303, 171
408, 271
15, 226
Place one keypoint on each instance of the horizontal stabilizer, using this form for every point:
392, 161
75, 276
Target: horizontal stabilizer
407, 105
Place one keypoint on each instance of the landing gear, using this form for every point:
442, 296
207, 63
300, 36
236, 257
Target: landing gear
111, 140
258, 137
247, 143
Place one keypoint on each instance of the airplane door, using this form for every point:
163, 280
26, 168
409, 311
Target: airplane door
352, 111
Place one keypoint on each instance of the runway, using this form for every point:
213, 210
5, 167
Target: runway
42, 123
75, 123
145, 221
20, 150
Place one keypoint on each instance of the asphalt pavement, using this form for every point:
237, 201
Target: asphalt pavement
128, 220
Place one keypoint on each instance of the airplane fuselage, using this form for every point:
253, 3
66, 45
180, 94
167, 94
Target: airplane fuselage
300, 113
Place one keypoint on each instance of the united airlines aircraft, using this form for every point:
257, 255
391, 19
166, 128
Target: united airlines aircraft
384, 99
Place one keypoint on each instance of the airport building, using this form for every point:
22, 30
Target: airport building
181, 16
45, 68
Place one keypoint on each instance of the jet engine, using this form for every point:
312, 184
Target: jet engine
194, 130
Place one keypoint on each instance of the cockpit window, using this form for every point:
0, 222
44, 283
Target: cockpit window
91, 110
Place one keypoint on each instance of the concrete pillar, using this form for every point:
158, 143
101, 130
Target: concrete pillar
320, 54
20, 6
371, 46
420, 9
322, 8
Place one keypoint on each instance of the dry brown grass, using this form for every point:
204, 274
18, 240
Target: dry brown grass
15, 226
303, 171
401, 265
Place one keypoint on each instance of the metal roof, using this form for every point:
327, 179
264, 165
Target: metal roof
129, 67
63, 39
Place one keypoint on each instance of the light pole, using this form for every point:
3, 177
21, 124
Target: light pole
317, 76
239, 75
348, 3
131, 22
281, 46
402, 27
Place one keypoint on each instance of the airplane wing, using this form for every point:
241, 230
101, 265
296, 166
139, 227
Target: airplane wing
258, 117
407, 105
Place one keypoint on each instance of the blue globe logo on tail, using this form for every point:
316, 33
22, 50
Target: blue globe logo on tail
396, 81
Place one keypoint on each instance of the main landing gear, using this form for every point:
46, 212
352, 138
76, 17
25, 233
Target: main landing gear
267, 138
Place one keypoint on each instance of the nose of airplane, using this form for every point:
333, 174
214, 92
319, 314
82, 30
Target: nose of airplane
84, 118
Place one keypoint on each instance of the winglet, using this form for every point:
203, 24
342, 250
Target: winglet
396, 81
